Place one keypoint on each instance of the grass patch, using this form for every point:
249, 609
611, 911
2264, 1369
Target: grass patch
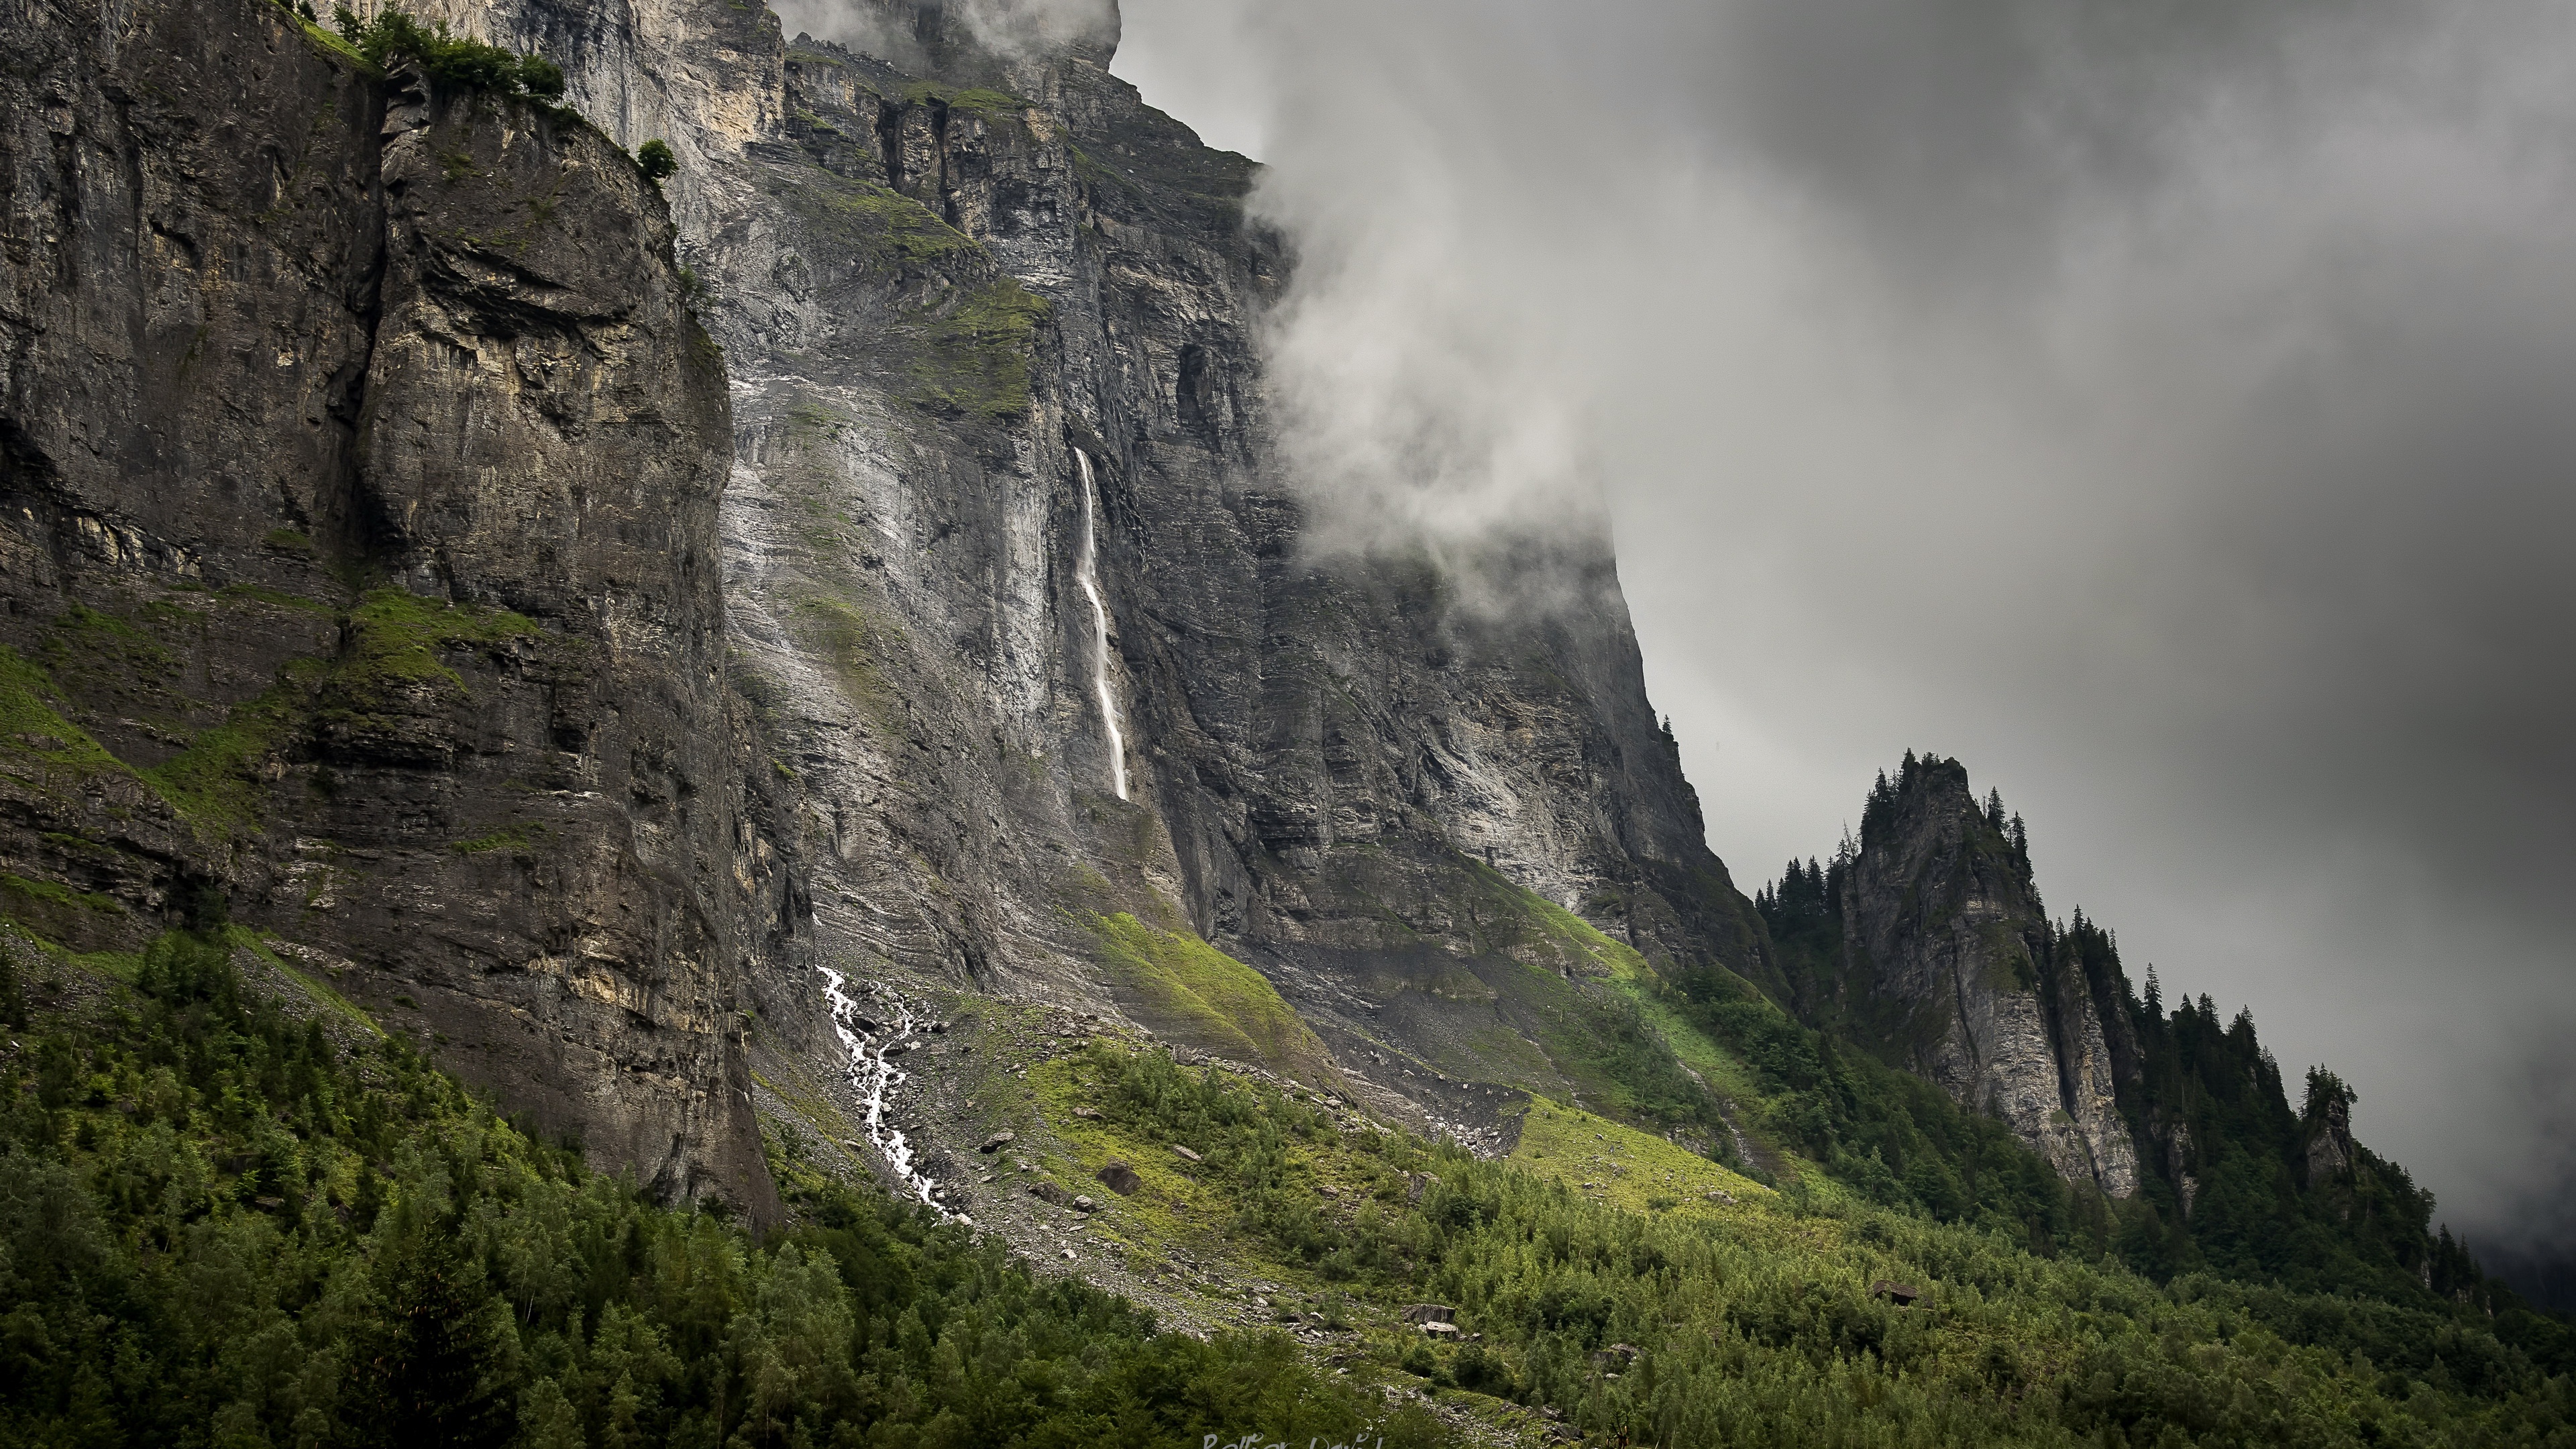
976, 361
38, 744
517, 839
55, 893
397, 638
978, 101
1207, 997
878, 221
1613, 1163
217, 782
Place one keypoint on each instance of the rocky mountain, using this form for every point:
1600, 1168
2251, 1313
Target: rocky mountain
1019, 593
383, 580
1934, 949
664, 641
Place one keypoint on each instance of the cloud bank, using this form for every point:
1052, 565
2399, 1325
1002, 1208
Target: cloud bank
2161, 408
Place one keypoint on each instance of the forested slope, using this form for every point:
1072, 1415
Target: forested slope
236, 1213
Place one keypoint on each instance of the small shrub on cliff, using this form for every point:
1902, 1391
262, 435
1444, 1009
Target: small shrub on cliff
459, 60
655, 160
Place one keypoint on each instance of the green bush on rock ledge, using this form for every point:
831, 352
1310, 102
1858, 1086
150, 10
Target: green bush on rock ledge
459, 60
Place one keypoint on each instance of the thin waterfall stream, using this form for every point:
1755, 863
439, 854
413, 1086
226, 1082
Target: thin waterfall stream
1088, 575
872, 1046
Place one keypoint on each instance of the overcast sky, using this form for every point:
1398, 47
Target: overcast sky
2168, 410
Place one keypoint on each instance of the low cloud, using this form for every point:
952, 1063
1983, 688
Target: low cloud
902, 32
2162, 410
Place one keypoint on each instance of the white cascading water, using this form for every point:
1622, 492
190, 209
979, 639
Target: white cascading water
1088, 575
874, 1076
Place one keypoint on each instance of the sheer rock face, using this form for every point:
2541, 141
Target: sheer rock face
1947, 947
936, 275
361, 464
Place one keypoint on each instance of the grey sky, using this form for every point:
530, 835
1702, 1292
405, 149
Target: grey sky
2170, 411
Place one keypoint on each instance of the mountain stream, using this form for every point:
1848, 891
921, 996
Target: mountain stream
872, 1047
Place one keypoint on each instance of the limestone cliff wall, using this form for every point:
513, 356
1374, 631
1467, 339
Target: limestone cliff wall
359, 467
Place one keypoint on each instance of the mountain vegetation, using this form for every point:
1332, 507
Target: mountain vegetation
229, 1224
240, 1215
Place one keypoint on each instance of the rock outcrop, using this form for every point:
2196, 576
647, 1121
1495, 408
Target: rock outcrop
358, 564
1949, 966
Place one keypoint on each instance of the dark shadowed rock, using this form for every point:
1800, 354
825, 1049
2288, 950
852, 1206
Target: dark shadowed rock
361, 460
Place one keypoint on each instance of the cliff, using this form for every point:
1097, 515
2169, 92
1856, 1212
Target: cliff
359, 461
991, 323
1935, 952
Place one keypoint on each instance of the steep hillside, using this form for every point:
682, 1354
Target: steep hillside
236, 1212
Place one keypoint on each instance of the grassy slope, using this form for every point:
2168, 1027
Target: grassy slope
1753, 1319
1191, 990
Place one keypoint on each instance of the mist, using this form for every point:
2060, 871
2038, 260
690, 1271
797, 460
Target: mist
2162, 411
888, 29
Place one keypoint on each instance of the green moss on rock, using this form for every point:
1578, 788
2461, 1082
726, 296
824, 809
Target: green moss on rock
396, 639
976, 361
37, 743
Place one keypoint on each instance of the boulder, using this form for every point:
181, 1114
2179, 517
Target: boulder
1184, 1153
1119, 1178
1430, 1313
998, 1141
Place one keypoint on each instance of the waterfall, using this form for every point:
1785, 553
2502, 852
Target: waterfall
872, 1046
1088, 575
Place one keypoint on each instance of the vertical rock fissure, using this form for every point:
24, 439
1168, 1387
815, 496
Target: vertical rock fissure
1088, 575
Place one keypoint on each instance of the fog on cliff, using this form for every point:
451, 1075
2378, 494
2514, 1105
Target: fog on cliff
2164, 409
